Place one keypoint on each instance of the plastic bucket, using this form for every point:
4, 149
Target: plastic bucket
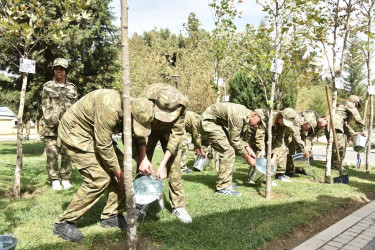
200, 163
360, 143
149, 191
300, 161
8, 242
258, 173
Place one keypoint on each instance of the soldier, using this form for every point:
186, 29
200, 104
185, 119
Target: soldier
57, 96
346, 113
168, 128
256, 136
308, 130
192, 126
224, 126
86, 137
286, 124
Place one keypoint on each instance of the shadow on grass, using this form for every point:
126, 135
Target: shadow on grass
245, 228
28, 148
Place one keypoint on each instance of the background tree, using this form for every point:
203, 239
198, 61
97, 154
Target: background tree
23, 24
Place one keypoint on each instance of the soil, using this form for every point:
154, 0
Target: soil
302, 233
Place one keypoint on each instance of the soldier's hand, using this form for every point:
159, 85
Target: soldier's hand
364, 134
203, 153
250, 160
306, 154
120, 179
145, 167
251, 152
197, 151
161, 173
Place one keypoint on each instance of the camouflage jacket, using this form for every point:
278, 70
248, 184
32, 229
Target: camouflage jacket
175, 127
56, 99
256, 138
90, 123
308, 137
345, 113
192, 126
282, 134
234, 118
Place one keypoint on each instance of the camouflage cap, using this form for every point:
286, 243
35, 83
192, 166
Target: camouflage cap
311, 118
61, 62
167, 105
263, 116
290, 117
357, 99
143, 113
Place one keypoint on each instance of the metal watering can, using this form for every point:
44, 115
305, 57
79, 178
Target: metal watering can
201, 163
258, 173
149, 194
8, 242
300, 161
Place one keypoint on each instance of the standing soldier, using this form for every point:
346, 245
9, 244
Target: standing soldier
224, 126
346, 113
192, 126
57, 96
168, 128
86, 137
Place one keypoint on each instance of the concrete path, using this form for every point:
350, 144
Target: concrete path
355, 232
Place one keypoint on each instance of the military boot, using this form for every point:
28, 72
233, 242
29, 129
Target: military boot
67, 231
115, 221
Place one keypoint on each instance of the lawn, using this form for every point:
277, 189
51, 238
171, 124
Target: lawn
219, 222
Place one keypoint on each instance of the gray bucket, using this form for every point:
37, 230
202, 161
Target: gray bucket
300, 161
8, 242
258, 173
360, 143
149, 191
200, 163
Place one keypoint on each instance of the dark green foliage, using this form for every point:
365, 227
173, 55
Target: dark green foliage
244, 91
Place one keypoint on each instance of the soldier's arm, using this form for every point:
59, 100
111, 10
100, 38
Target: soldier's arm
309, 141
296, 134
357, 117
51, 113
260, 138
235, 139
178, 130
106, 119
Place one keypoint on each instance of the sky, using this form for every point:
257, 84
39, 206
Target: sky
144, 15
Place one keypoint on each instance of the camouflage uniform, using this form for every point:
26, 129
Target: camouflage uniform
56, 100
224, 126
27, 126
345, 114
192, 124
86, 136
280, 135
168, 128
307, 137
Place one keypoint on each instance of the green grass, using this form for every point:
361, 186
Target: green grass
219, 222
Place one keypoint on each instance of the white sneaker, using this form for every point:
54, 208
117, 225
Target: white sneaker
283, 178
182, 215
66, 184
56, 185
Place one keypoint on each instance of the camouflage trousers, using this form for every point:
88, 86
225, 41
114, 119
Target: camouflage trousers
52, 152
96, 181
176, 193
184, 152
341, 141
281, 159
217, 136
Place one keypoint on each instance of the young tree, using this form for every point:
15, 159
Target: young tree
23, 24
127, 131
328, 24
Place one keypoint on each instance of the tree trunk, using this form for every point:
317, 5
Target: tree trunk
270, 119
130, 199
216, 154
369, 83
18, 170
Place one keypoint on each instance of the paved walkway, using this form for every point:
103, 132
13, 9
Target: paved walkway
355, 232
